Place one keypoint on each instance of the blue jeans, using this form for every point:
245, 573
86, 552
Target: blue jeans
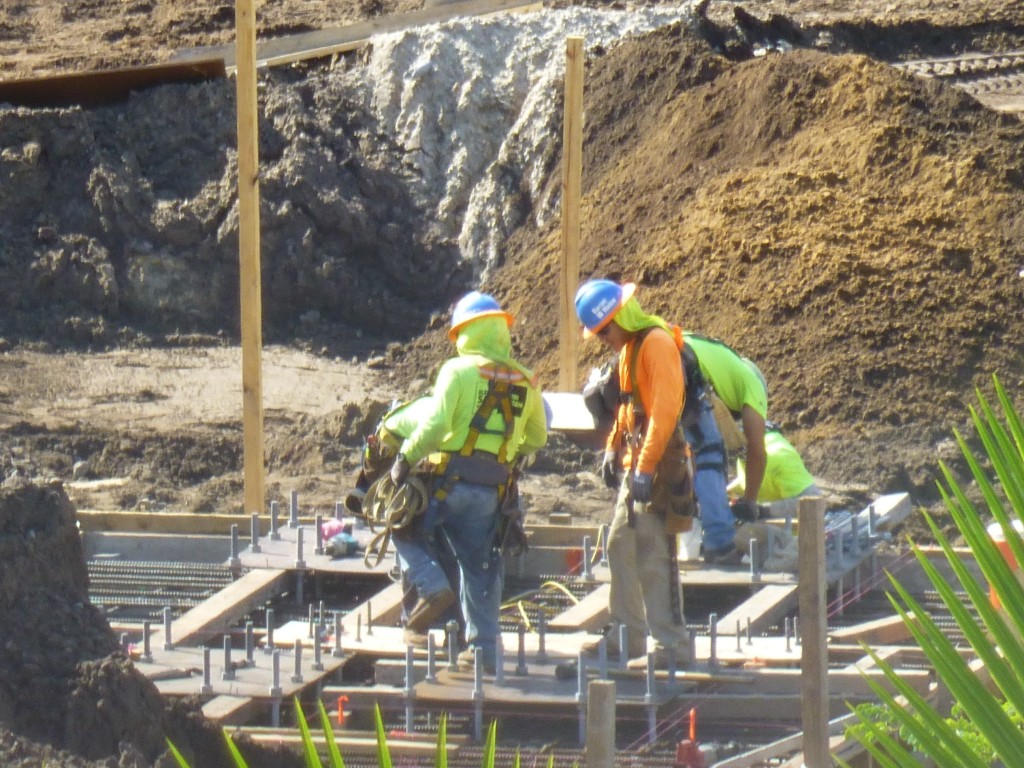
709, 480
467, 520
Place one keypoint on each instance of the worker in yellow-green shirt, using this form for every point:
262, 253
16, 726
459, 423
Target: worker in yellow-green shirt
786, 478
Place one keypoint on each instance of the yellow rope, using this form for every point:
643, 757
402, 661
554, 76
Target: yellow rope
520, 604
561, 588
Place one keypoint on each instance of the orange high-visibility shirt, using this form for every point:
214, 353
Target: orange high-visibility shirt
661, 391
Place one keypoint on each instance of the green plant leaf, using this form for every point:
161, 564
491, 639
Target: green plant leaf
490, 745
233, 749
441, 755
308, 747
332, 743
182, 763
383, 753
985, 722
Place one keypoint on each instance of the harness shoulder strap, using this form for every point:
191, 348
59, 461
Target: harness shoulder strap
500, 379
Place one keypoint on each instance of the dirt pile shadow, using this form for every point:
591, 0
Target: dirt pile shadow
68, 695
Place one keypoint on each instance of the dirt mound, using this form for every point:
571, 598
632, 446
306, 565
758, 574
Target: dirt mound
855, 231
68, 694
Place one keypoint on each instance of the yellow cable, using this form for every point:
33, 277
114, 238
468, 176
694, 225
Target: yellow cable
561, 588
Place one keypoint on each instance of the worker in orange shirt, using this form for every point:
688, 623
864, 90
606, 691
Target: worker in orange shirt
645, 590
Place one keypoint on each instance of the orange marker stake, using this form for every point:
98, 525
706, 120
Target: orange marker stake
342, 701
693, 725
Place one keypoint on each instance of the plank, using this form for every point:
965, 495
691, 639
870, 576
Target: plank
217, 614
390, 641
100, 87
184, 523
364, 744
179, 672
328, 42
887, 630
762, 609
232, 710
589, 614
283, 553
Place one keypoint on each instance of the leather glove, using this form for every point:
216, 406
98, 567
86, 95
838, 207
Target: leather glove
610, 469
399, 470
642, 485
745, 510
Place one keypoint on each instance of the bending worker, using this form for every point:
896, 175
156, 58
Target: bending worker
786, 478
740, 386
485, 412
645, 589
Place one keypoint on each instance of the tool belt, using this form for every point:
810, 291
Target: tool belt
672, 494
479, 468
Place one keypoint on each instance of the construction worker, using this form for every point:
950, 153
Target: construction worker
739, 394
645, 589
785, 480
485, 413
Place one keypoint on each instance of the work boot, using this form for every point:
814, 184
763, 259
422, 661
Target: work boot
467, 662
426, 611
662, 659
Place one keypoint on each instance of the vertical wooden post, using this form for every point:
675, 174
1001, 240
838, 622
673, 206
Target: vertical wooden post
601, 724
813, 632
249, 256
572, 161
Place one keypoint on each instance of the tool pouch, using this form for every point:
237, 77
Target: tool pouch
511, 524
672, 495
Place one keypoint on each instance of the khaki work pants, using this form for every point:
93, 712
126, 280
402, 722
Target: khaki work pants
645, 591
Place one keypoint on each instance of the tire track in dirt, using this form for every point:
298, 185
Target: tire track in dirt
996, 80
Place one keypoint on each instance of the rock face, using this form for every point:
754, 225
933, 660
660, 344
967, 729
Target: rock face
68, 695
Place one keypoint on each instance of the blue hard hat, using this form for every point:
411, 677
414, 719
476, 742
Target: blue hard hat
598, 301
473, 306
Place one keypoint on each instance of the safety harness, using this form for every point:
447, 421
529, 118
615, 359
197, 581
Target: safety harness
483, 467
395, 509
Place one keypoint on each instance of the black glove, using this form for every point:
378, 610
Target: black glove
610, 469
399, 470
745, 510
643, 482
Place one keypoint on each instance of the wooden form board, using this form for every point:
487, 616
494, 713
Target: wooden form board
539, 689
97, 88
764, 608
327, 42
389, 642
184, 523
283, 553
179, 672
217, 614
232, 710
883, 631
590, 614
356, 742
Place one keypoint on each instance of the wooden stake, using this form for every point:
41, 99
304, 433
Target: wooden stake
572, 152
601, 724
249, 256
813, 633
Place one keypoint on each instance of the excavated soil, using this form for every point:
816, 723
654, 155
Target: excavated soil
856, 231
